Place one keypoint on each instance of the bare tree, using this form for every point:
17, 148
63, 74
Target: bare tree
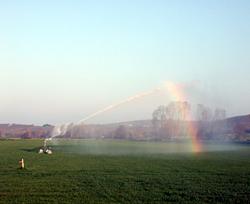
185, 110
219, 114
203, 113
204, 117
159, 116
168, 121
178, 110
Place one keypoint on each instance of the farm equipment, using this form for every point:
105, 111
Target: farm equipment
45, 149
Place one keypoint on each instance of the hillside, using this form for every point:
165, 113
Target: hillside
231, 129
24, 131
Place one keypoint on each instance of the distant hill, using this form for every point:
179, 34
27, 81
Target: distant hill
24, 131
239, 119
231, 129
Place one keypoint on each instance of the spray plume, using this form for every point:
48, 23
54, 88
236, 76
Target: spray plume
113, 106
62, 129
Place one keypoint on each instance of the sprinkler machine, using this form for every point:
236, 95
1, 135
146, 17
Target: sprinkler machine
45, 149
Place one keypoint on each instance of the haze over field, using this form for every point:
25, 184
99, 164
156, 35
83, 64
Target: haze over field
63, 60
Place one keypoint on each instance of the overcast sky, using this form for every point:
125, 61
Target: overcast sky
62, 60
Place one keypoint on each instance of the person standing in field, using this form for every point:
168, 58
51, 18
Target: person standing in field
21, 163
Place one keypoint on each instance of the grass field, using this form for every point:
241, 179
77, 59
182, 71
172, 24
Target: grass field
123, 172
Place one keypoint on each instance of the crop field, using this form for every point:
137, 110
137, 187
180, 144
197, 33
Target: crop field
90, 171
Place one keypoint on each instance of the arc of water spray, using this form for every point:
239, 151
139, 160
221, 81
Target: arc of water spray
62, 129
110, 107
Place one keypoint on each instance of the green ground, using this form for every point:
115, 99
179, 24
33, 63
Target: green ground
122, 172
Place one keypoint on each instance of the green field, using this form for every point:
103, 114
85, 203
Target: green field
90, 171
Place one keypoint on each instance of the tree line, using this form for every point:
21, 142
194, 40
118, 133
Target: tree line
173, 121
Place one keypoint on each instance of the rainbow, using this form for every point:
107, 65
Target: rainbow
178, 94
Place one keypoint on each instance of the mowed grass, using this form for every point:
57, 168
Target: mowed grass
70, 175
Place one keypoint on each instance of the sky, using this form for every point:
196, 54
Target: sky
63, 60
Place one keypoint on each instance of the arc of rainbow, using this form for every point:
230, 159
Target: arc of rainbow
176, 91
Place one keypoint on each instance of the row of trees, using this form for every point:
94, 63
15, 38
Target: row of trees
205, 113
177, 111
181, 111
25, 133
173, 120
